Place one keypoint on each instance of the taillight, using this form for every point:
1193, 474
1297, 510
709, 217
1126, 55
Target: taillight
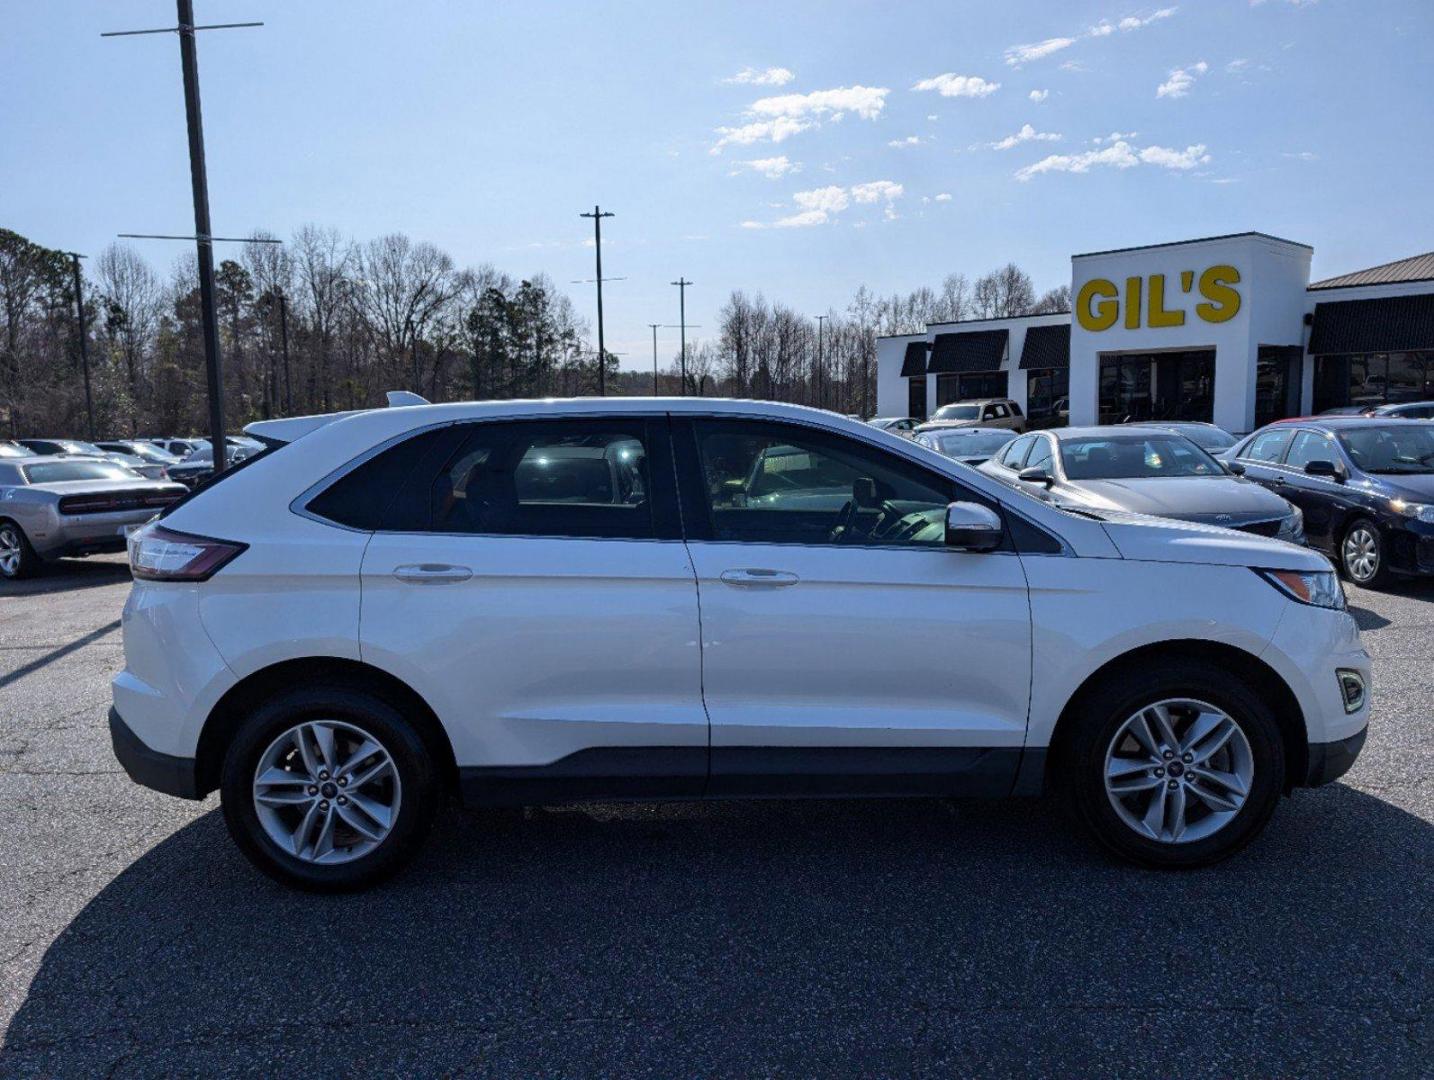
160, 554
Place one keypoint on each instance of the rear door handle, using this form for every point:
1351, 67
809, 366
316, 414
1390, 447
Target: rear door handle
759, 578
431, 573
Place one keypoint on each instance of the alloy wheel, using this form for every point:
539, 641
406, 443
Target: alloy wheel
1178, 771
1361, 553
10, 551
326, 792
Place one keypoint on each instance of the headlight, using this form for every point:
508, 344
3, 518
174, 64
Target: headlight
1293, 527
1423, 511
1318, 588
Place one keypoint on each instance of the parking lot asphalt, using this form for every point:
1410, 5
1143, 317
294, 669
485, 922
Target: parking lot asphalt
724, 939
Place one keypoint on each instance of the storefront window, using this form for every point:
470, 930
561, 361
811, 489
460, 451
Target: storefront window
1372, 379
1048, 397
916, 397
970, 385
1157, 386
1277, 383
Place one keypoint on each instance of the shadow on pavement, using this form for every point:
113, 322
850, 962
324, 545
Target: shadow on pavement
769, 938
69, 574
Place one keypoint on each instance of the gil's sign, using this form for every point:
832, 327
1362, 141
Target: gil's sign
1099, 302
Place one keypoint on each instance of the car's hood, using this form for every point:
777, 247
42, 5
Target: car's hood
1215, 500
1413, 487
1150, 539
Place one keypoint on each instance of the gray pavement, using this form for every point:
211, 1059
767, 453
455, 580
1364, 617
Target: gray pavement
736, 939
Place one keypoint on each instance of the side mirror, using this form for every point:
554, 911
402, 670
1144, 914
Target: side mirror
1035, 475
972, 527
1234, 468
1327, 469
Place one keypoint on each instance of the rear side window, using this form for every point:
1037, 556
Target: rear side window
1016, 452
1268, 447
1015, 409
1040, 456
364, 497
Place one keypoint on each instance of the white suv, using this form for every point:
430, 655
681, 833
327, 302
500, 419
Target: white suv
536, 602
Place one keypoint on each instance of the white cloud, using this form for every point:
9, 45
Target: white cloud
1026, 134
910, 140
759, 131
1118, 155
1302, 155
1234, 67
1038, 50
1181, 80
932, 117
952, 85
773, 168
1114, 136
1039, 96
945, 196
866, 101
877, 190
819, 206
772, 76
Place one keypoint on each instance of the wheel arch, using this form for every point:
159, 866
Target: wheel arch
258, 686
1264, 679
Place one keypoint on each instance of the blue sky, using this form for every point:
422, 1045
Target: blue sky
797, 149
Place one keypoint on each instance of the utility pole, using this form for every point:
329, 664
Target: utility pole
284, 340
75, 258
682, 284
597, 215
821, 362
203, 235
655, 328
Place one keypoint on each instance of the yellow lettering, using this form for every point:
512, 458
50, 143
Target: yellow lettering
1132, 303
1104, 314
1158, 315
1224, 301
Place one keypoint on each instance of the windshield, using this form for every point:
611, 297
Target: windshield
957, 412
969, 443
1113, 457
50, 472
1208, 438
1394, 449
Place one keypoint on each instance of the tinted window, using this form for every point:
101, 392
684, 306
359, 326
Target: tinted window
50, 472
363, 497
1407, 448
1129, 456
579, 478
1268, 447
785, 484
957, 412
1040, 456
1016, 452
1308, 446
1015, 409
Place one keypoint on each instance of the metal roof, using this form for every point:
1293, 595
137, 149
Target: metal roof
1414, 268
975, 350
1046, 347
1197, 240
1381, 324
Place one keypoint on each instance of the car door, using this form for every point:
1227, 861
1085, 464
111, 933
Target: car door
1261, 456
530, 581
1322, 500
844, 647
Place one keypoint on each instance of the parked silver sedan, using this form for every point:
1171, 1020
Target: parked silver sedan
53, 506
152, 470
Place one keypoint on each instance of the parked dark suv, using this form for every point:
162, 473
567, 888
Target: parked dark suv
1366, 487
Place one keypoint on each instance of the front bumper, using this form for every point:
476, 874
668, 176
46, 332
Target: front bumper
1329, 761
162, 772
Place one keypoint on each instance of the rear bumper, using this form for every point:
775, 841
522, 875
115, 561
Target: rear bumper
1329, 761
162, 772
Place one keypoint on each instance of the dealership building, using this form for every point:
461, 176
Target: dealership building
1228, 329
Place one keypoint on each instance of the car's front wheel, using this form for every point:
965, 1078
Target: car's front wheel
328, 789
1178, 766
1361, 554
17, 557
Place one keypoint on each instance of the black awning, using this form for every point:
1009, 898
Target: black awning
1385, 324
975, 350
914, 363
1047, 347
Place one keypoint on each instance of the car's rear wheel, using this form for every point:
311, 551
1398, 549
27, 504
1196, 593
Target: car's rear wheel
328, 789
1178, 766
1361, 554
17, 557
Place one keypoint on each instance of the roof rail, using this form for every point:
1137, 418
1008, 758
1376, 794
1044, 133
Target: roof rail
397, 398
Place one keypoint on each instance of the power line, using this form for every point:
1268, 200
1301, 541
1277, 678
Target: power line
203, 235
597, 215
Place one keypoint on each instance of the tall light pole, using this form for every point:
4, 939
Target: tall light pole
655, 328
597, 215
75, 258
821, 361
682, 284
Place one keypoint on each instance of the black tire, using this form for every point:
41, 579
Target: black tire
1081, 765
416, 769
1345, 558
29, 563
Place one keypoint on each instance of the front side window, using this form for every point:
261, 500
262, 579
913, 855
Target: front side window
1016, 453
1268, 447
1132, 456
1308, 446
1040, 456
785, 484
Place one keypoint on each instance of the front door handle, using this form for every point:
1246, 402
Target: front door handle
759, 578
431, 573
